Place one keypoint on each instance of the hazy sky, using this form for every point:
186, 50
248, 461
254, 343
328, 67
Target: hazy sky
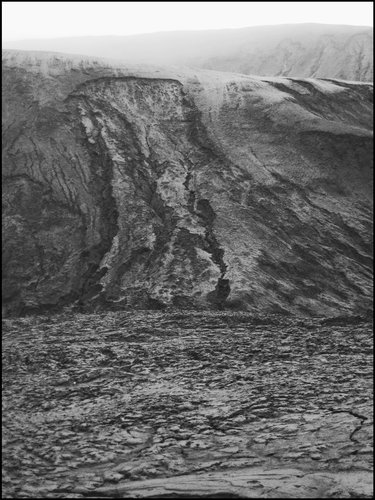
23, 20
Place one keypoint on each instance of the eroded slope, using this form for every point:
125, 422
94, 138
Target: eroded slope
150, 187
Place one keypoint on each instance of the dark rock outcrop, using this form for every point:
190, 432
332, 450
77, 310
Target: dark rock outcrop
131, 186
187, 404
293, 50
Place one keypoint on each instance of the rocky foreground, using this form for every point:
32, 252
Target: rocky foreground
213, 404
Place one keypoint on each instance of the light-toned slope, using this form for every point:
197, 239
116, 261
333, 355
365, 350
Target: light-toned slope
140, 186
301, 50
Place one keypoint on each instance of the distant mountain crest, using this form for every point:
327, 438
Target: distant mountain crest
294, 50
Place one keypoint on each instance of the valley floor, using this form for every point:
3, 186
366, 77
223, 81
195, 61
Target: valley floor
209, 404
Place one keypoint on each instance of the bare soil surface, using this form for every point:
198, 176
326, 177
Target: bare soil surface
166, 404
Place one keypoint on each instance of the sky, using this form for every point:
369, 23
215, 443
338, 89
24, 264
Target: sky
33, 20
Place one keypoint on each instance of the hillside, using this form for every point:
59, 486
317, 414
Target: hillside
220, 200
133, 186
294, 50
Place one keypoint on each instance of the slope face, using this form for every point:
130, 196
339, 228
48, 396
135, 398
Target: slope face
129, 186
300, 50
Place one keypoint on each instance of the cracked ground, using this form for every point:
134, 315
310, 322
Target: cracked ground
207, 404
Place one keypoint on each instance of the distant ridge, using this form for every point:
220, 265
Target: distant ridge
302, 50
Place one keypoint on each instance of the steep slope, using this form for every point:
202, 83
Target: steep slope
133, 186
301, 50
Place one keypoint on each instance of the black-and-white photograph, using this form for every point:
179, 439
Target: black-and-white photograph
187, 250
